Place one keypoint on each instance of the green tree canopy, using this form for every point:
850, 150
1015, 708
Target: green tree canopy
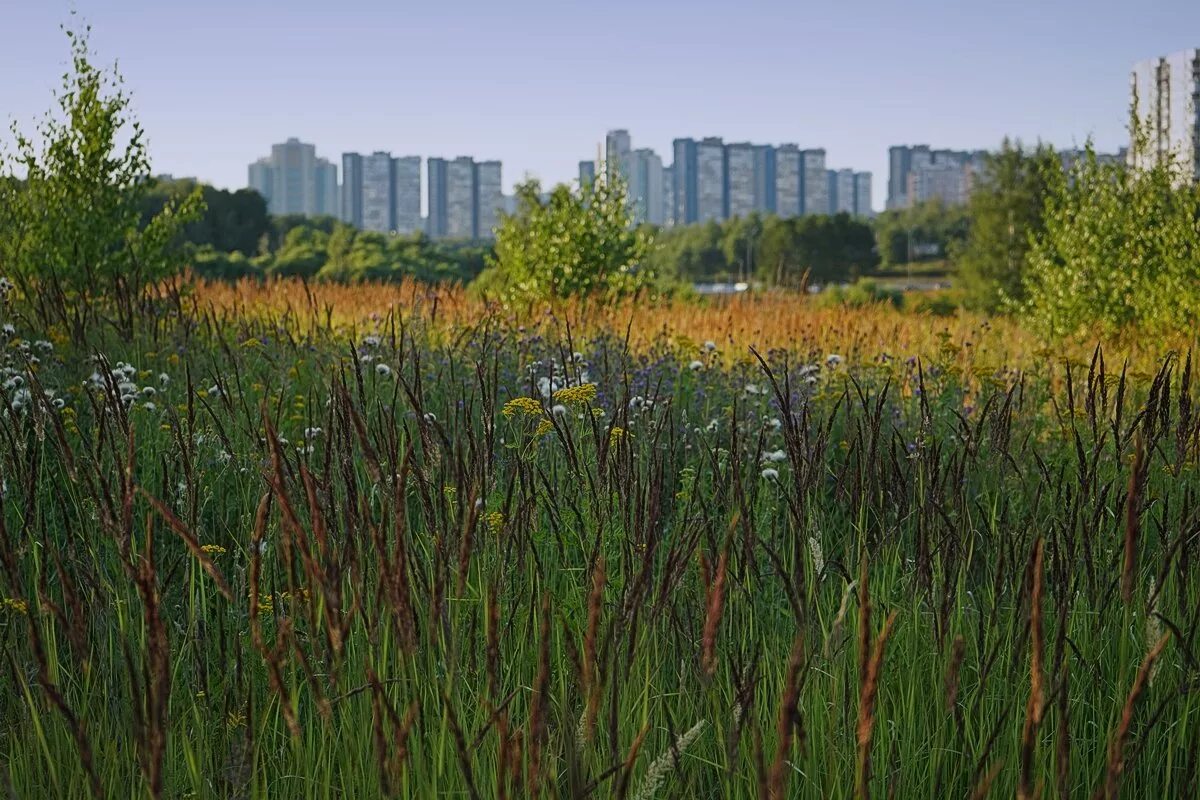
1005, 214
72, 233
577, 242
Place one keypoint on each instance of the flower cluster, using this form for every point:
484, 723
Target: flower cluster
576, 395
522, 406
14, 605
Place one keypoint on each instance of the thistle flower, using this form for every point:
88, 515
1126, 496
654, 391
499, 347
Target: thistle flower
696, 365
770, 474
383, 370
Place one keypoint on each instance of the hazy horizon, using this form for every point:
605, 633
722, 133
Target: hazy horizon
537, 84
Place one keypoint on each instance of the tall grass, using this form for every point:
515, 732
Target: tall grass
277, 547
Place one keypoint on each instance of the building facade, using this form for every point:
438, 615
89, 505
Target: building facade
489, 198
862, 195
739, 180
710, 179
814, 183
787, 180
294, 180
408, 194
919, 173
1166, 101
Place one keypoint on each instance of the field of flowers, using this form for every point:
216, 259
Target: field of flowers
363, 541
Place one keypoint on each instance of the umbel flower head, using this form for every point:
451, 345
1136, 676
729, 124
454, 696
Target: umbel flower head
576, 395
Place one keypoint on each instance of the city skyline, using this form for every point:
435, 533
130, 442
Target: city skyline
921, 73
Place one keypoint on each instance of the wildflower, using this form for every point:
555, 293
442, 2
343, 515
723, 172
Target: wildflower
576, 395
770, 474
383, 370
526, 406
212, 549
752, 389
774, 424
616, 435
430, 417
7, 329
774, 456
15, 605
495, 521
696, 365
710, 346
559, 410
832, 360
544, 427
371, 341
312, 433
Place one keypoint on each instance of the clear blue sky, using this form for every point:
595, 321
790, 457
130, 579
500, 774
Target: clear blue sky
536, 84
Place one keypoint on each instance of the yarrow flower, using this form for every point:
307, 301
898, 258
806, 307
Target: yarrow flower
576, 395
522, 406
495, 521
212, 549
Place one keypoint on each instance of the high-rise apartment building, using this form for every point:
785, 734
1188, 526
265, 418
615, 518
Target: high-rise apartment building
378, 193
710, 179
919, 173
862, 195
408, 194
642, 171
814, 183
841, 191
787, 180
460, 198
1166, 100
587, 172
295, 181
489, 198
352, 189
668, 204
465, 198
764, 178
683, 175
381, 193
739, 180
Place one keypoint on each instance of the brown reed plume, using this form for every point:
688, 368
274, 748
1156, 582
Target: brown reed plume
1033, 710
868, 693
789, 721
538, 706
714, 590
1133, 501
1116, 748
591, 683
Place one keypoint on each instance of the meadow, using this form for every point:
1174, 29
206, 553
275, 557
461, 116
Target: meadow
353, 541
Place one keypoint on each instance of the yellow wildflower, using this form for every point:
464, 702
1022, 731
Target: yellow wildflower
576, 395
544, 427
15, 605
615, 435
526, 406
212, 549
495, 521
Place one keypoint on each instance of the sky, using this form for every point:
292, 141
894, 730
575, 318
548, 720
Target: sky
537, 84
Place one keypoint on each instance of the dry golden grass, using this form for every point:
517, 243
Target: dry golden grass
974, 343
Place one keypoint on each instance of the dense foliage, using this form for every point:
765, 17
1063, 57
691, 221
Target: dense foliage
1005, 213
1119, 249
928, 231
577, 242
71, 199
773, 250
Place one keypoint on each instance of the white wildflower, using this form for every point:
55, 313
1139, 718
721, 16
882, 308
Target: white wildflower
383, 370
770, 474
696, 365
